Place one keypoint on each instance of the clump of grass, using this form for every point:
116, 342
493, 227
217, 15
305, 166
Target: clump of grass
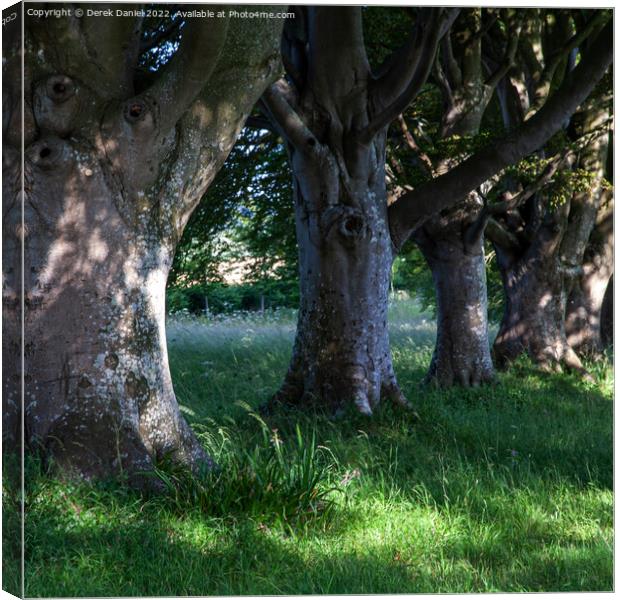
286, 479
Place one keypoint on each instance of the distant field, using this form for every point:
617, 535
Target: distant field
501, 488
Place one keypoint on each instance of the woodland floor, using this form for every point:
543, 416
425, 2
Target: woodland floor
502, 488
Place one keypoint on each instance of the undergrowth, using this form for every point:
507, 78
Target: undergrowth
288, 480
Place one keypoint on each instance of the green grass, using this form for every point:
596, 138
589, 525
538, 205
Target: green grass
501, 488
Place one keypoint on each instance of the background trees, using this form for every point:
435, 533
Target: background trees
122, 164
540, 259
328, 337
484, 52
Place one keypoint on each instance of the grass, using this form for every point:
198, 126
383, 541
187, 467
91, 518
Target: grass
501, 488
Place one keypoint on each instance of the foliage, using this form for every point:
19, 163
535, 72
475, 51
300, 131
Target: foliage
246, 215
224, 298
385, 30
501, 488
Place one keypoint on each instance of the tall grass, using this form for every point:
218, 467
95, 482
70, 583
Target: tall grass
501, 488
286, 480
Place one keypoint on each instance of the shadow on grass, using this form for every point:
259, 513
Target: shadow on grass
199, 556
194, 557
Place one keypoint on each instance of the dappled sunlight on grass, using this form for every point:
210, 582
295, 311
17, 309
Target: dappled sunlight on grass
501, 488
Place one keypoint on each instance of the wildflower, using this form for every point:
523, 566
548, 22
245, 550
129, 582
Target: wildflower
349, 476
276, 440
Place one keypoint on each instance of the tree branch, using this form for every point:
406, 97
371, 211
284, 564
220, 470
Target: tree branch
285, 118
543, 85
186, 74
412, 209
546, 177
500, 236
425, 162
510, 202
484, 29
293, 48
442, 81
401, 65
435, 29
452, 69
337, 59
509, 56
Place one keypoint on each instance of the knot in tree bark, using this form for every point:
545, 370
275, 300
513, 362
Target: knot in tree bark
60, 88
140, 112
348, 222
56, 106
48, 153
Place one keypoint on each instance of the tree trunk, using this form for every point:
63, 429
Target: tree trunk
607, 316
111, 177
535, 300
99, 396
533, 316
341, 354
462, 354
543, 253
584, 319
12, 232
334, 112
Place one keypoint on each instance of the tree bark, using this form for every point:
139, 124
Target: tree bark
333, 115
607, 316
586, 328
341, 353
533, 320
535, 300
111, 177
462, 353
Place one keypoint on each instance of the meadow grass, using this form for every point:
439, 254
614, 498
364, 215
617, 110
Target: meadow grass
500, 488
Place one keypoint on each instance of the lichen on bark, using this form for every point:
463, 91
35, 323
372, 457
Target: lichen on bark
112, 174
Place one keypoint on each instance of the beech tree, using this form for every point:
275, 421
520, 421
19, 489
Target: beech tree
481, 49
541, 239
115, 162
451, 242
333, 112
589, 290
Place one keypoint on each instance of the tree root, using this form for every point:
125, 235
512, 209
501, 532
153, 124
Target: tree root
465, 378
550, 359
292, 395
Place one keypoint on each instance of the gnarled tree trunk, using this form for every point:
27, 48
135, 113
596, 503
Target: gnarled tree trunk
341, 351
334, 115
455, 253
533, 321
585, 326
462, 355
112, 174
540, 272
